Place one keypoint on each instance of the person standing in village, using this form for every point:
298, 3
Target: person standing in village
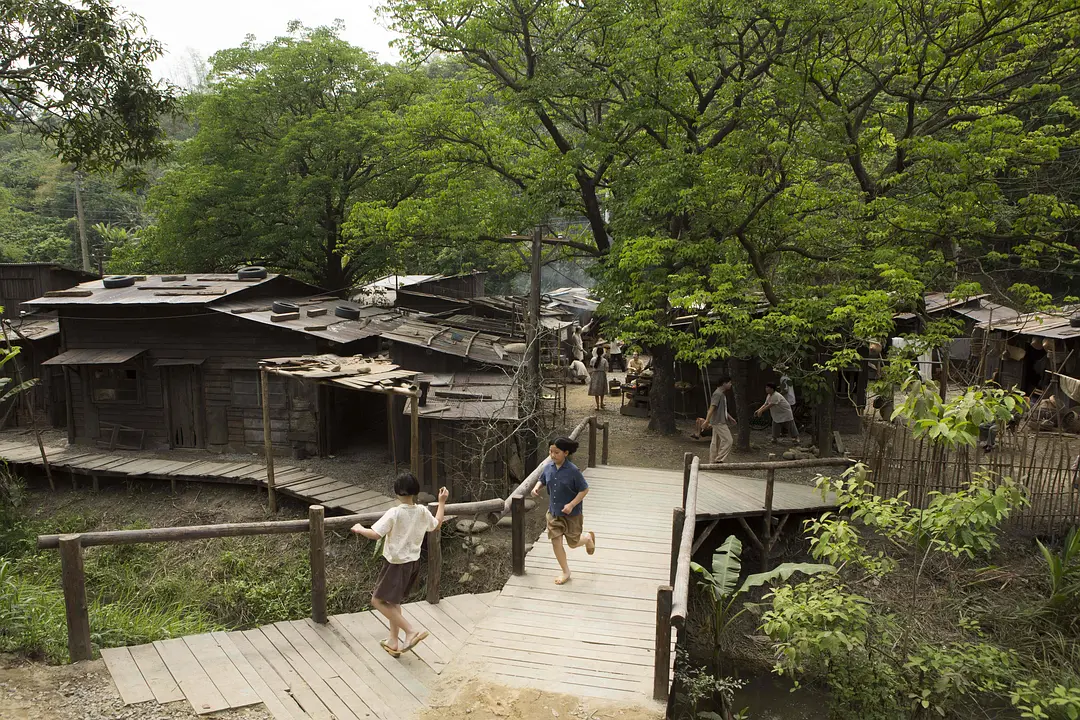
616, 355
780, 410
718, 418
577, 346
402, 529
567, 489
598, 386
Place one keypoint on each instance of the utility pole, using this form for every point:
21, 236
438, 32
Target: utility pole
82, 222
532, 336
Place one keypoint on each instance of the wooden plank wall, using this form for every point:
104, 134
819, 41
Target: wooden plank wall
231, 348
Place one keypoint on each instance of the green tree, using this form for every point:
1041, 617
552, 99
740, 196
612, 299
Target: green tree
79, 74
291, 135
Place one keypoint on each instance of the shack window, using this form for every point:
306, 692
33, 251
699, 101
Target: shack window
116, 384
246, 392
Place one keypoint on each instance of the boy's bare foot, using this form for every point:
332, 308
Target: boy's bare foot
590, 544
562, 579
415, 639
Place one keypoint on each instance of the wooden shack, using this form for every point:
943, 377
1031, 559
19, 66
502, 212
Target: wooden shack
38, 338
20, 282
172, 361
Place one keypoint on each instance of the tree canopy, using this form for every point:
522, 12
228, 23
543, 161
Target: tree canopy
79, 75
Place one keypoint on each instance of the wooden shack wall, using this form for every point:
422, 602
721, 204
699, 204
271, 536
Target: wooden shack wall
227, 379
22, 282
457, 462
459, 286
414, 357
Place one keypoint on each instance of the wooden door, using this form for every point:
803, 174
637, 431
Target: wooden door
182, 406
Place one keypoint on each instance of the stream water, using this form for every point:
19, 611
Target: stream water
769, 697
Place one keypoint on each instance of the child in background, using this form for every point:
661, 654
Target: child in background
566, 491
403, 528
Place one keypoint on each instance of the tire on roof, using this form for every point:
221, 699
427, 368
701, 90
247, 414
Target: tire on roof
349, 313
252, 272
118, 281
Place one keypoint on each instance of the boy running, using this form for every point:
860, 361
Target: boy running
566, 491
403, 528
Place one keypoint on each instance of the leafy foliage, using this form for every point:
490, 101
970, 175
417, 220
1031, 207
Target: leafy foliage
79, 74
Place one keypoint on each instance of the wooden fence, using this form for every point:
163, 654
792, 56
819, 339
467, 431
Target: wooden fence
71, 546
1045, 465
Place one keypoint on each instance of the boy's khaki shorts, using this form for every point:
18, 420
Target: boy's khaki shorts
568, 526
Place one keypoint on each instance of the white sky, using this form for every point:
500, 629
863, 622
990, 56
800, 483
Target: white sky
205, 26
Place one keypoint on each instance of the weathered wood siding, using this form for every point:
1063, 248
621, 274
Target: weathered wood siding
230, 349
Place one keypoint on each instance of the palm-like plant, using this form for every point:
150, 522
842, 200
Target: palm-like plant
1063, 572
722, 584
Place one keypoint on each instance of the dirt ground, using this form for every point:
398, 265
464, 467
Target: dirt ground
632, 444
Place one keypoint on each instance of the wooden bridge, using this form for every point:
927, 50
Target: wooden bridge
607, 634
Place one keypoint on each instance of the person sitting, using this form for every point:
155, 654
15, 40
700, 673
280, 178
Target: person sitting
635, 366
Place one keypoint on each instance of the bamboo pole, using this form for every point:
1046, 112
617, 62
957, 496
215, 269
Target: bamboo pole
681, 592
268, 446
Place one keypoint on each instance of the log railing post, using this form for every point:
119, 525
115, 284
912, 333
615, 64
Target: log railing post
434, 565
604, 452
592, 441
517, 518
688, 459
74, 580
766, 530
678, 517
317, 534
662, 667
268, 444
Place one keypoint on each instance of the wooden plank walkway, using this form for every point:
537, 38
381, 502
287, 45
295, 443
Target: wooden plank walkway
299, 669
308, 487
593, 637
721, 495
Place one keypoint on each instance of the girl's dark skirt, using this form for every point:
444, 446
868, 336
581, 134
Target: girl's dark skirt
395, 581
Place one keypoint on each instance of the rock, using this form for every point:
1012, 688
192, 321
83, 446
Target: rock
789, 455
480, 550
425, 498
529, 504
472, 526
469, 541
473, 567
466, 578
505, 522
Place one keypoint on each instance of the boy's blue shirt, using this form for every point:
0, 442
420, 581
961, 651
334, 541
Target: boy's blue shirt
563, 484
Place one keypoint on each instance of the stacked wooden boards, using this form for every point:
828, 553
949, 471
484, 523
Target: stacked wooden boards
309, 487
300, 669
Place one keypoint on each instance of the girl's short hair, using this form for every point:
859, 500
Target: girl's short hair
565, 444
406, 484
771, 385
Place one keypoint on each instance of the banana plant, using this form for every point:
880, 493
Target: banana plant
1063, 572
722, 584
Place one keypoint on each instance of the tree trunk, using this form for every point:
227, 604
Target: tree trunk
823, 415
662, 392
744, 409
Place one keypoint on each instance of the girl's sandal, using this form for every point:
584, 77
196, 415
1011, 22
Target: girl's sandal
420, 636
389, 650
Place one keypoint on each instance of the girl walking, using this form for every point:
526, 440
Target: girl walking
598, 386
402, 528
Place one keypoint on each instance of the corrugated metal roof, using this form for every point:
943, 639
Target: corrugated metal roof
499, 401
190, 289
1044, 325
317, 317
987, 311
356, 372
384, 290
474, 345
95, 356
33, 327
938, 301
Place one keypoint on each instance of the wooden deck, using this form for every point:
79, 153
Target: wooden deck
596, 633
721, 495
299, 669
295, 482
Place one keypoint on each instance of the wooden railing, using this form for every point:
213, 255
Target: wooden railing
71, 546
672, 600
